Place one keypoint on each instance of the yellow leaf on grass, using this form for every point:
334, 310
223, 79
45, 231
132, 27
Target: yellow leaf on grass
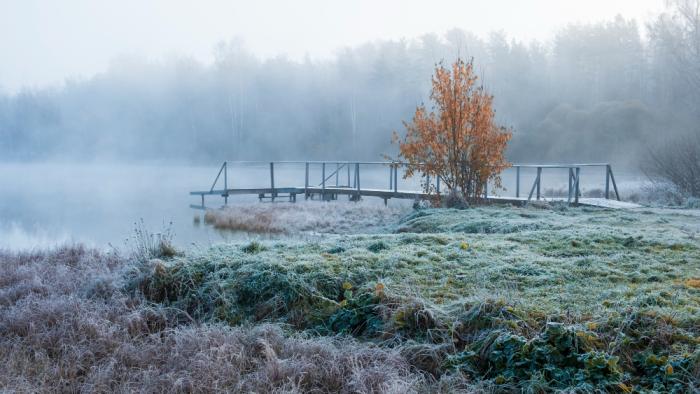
625, 388
693, 282
379, 289
669, 369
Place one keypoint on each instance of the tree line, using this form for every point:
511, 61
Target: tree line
608, 91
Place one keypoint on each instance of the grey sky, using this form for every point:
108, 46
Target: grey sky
45, 42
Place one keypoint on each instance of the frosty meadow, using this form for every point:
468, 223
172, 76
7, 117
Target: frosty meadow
366, 197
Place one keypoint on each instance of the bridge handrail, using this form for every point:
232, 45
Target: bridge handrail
403, 163
574, 175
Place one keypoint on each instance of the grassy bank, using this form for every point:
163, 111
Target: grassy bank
492, 299
548, 298
66, 325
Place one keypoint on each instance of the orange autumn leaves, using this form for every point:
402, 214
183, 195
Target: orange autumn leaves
458, 140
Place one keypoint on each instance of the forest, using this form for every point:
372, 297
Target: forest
610, 91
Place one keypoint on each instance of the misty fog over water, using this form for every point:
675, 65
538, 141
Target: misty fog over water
596, 91
97, 204
47, 204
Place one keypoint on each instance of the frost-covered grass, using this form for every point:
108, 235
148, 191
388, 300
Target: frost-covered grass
337, 217
66, 325
517, 298
495, 299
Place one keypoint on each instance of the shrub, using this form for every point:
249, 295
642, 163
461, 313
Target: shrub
377, 247
458, 141
564, 356
677, 162
254, 247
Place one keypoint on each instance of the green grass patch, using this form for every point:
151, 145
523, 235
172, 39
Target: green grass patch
519, 298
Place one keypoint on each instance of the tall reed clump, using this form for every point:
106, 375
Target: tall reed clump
146, 245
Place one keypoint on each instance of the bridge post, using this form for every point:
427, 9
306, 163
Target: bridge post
337, 170
539, 181
306, 182
323, 181
517, 182
437, 181
357, 180
396, 175
225, 184
612, 178
535, 185
607, 182
272, 181
348, 166
391, 175
577, 185
571, 184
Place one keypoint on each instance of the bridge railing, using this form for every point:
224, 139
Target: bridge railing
347, 175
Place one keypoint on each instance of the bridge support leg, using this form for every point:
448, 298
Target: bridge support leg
571, 184
272, 181
577, 185
337, 170
535, 185
357, 181
612, 178
607, 182
323, 181
391, 176
306, 182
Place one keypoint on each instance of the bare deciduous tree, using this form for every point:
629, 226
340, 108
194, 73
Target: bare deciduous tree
678, 162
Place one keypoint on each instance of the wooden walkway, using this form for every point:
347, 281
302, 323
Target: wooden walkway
327, 190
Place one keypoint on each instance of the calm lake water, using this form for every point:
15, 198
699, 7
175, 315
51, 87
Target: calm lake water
44, 204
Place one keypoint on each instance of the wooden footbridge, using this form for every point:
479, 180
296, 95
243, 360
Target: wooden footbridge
344, 178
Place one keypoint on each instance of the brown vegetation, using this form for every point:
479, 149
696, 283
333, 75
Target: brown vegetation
459, 141
289, 218
677, 162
